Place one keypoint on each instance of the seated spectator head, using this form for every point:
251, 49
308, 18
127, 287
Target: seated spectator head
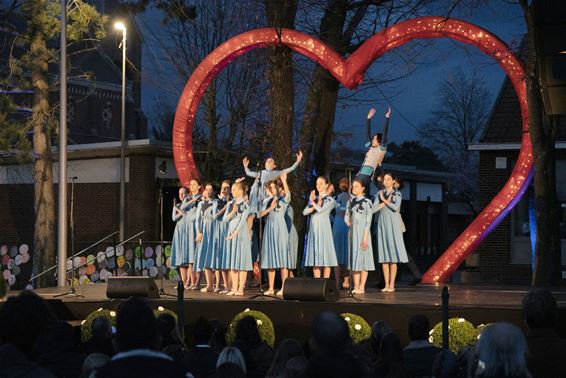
24, 319
247, 331
288, 349
390, 352
229, 370
539, 308
167, 332
501, 352
218, 336
101, 328
329, 334
378, 330
232, 355
202, 330
92, 362
445, 365
295, 367
418, 327
135, 326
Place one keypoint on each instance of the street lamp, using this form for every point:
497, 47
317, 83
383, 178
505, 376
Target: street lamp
122, 27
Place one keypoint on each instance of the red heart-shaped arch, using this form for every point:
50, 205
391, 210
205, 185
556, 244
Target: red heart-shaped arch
349, 72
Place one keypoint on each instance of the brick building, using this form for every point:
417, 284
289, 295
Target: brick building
505, 255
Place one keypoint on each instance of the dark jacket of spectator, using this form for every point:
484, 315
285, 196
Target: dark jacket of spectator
419, 355
14, 363
201, 360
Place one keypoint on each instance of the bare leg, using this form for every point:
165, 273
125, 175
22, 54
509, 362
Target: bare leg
271, 281
326, 272
209, 276
196, 279
346, 279
316, 271
356, 281
217, 278
385, 267
242, 274
234, 280
363, 280
226, 279
190, 274
183, 272
393, 275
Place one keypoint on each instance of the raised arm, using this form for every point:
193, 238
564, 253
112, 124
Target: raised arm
199, 218
229, 214
368, 123
295, 164
383, 140
242, 222
249, 172
377, 203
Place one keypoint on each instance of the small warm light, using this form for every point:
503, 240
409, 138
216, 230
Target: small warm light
563, 52
160, 308
112, 313
119, 26
83, 322
100, 309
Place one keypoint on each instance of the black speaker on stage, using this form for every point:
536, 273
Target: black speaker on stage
310, 289
124, 287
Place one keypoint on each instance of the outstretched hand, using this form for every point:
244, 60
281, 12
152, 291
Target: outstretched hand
371, 113
388, 114
299, 155
246, 162
312, 197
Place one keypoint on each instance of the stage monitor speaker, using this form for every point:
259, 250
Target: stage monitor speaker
311, 289
124, 287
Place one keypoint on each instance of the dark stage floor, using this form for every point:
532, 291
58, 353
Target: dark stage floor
479, 304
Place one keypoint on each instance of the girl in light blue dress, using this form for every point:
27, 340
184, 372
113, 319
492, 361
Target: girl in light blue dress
239, 248
340, 232
207, 238
275, 246
358, 218
221, 271
293, 244
194, 198
179, 252
391, 247
320, 252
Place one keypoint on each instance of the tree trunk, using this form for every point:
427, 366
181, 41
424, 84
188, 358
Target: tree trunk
44, 231
281, 14
543, 138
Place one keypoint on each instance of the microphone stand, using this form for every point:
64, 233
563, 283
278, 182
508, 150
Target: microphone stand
72, 291
349, 292
261, 292
162, 172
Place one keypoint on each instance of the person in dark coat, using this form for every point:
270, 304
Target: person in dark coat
136, 336
547, 350
201, 359
258, 355
24, 320
419, 355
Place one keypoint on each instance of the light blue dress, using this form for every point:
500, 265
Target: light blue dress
390, 244
265, 175
239, 252
179, 255
275, 243
340, 230
360, 216
221, 234
205, 224
293, 238
191, 227
320, 246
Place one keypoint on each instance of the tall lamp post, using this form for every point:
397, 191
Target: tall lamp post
122, 27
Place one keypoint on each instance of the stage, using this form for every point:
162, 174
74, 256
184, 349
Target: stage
478, 304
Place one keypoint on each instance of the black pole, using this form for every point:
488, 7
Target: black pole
181, 308
445, 335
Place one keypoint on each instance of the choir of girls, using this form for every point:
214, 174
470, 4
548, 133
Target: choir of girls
214, 232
